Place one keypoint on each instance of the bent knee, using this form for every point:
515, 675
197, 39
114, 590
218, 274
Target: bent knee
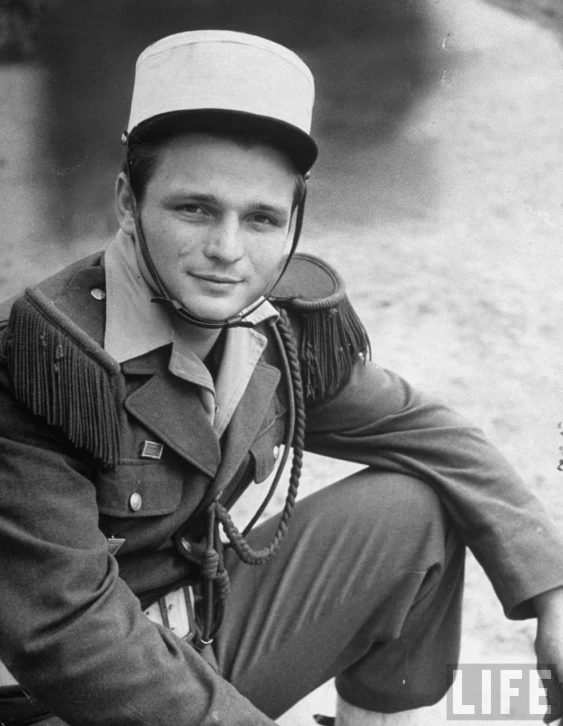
402, 512
394, 495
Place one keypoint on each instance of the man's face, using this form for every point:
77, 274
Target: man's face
216, 218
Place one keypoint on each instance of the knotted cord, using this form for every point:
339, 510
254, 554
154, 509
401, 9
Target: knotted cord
215, 576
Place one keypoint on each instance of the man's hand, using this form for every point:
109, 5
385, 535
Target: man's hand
549, 646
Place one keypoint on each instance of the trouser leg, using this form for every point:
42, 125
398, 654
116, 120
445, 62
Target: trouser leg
365, 588
349, 715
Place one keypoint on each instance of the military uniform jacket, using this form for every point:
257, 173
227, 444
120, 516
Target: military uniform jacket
72, 628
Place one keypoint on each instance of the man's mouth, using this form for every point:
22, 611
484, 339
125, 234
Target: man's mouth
219, 279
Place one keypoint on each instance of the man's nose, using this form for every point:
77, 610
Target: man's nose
226, 241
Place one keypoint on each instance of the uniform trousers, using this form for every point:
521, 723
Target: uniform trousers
366, 588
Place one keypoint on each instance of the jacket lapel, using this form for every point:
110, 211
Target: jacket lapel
245, 424
171, 408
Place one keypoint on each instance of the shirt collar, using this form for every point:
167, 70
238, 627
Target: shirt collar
134, 324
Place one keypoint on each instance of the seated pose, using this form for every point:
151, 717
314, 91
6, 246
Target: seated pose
144, 388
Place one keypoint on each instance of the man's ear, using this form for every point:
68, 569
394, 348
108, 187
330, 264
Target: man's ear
125, 204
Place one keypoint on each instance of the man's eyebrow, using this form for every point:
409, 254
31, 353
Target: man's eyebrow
192, 196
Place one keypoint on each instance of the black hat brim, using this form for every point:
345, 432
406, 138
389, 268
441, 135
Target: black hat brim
289, 139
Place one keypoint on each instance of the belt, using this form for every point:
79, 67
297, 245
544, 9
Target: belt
174, 611
17, 708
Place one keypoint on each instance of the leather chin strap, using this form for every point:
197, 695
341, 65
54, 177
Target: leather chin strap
174, 307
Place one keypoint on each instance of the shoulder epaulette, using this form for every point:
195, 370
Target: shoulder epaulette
61, 374
332, 335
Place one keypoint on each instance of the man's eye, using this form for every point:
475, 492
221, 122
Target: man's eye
192, 209
263, 219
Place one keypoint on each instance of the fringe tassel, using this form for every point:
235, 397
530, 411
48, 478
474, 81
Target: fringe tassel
62, 375
333, 340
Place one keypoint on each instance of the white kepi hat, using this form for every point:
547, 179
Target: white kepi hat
222, 80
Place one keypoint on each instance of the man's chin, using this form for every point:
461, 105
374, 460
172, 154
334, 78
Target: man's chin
217, 310
213, 313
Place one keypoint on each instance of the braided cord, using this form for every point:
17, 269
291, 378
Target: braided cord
245, 552
215, 576
288, 438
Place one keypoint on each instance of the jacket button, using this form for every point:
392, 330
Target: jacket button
186, 544
98, 293
276, 452
135, 501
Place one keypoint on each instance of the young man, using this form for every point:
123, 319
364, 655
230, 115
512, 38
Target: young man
144, 388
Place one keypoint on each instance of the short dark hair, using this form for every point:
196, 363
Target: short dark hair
142, 158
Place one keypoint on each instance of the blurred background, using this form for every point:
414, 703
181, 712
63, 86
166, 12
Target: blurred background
438, 194
372, 60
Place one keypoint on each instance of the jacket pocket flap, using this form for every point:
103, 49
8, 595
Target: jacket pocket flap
139, 489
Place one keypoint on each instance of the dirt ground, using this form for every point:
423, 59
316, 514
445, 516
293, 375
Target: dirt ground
449, 238
454, 257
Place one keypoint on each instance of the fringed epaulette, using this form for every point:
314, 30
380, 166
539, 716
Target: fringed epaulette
59, 373
332, 335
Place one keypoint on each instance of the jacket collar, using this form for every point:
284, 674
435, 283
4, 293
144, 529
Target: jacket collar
171, 408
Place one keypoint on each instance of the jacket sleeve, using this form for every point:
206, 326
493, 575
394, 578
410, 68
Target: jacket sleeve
379, 420
71, 631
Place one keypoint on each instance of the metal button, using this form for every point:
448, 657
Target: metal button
276, 452
98, 293
135, 501
186, 544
